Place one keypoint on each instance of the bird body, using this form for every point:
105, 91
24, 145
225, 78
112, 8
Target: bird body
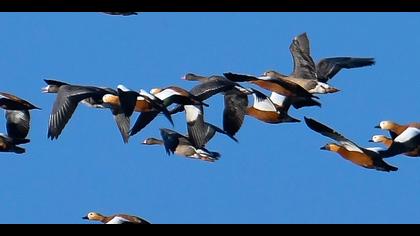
115, 219
366, 157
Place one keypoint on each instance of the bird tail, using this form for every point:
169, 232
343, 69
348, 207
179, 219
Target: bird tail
18, 150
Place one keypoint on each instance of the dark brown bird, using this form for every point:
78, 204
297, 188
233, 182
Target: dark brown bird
325, 69
17, 115
8, 144
235, 99
67, 100
181, 145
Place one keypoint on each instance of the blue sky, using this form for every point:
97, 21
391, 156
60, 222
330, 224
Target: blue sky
275, 174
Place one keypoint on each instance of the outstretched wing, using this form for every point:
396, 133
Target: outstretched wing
304, 66
68, 97
328, 67
330, 133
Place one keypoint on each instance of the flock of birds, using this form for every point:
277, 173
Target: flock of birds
296, 90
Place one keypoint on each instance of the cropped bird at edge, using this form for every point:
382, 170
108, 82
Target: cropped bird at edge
115, 219
405, 138
128, 13
18, 118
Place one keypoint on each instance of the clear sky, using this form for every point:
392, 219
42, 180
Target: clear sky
275, 174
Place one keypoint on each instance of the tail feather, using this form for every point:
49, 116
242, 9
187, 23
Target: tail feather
18, 150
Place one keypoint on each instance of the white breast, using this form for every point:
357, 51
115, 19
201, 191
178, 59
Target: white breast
123, 88
265, 78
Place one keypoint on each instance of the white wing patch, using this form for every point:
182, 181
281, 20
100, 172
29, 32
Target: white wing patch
350, 146
192, 112
263, 104
277, 99
264, 78
244, 90
376, 149
166, 94
408, 134
117, 220
144, 93
123, 88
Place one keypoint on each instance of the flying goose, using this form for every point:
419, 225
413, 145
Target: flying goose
181, 145
17, 115
235, 99
69, 96
325, 69
9, 144
297, 95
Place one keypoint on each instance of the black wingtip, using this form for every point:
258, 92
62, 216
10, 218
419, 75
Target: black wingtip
308, 121
233, 137
393, 168
315, 125
169, 117
19, 150
294, 120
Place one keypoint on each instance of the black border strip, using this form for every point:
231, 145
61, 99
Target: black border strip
209, 5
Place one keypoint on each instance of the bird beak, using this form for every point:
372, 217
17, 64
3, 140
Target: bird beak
378, 127
333, 90
85, 218
323, 148
184, 77
144, 142
45, 89
370, 141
